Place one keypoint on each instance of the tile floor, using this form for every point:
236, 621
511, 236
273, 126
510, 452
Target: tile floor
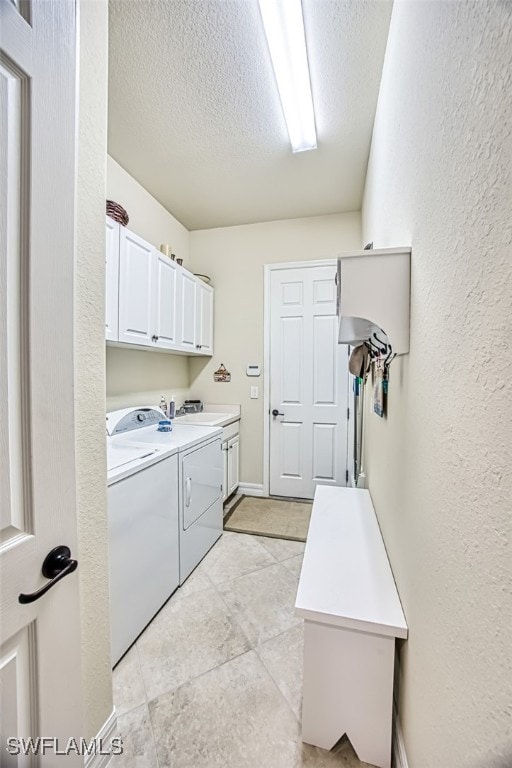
215, 681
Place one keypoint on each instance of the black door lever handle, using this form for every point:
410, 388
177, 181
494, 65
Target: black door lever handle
275, 412
56, 565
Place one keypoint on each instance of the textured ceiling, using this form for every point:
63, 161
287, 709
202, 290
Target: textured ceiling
195, 117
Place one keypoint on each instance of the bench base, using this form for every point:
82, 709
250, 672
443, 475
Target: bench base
348, 688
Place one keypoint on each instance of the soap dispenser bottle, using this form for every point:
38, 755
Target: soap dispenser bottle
163, 405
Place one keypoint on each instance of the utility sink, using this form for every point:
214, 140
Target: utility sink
207, 418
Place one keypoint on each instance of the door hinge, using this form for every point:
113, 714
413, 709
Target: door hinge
348, 414
346, 476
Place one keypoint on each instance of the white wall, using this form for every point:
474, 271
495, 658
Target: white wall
234, 258
440, 179
134, 377
90, 367
141, 378
148, 217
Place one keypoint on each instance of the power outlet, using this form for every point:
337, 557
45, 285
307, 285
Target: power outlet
254, 393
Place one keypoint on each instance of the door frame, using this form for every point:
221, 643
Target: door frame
268, 269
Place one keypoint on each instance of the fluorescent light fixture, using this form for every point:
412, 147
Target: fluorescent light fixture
284, 28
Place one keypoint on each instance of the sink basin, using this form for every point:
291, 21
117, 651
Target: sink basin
206, 418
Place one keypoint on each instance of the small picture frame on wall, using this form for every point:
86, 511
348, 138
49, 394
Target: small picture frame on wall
222, 375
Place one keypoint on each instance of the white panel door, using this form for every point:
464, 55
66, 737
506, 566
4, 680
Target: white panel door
40, 679
166, 282
308, 383
188, 298
204, 319
136, 278
112, 280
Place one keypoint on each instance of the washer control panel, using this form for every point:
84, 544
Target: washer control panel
129, 419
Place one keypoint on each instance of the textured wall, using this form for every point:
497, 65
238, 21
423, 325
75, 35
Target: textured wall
440, 178
234, 258
134, 377
90, 367
129, 382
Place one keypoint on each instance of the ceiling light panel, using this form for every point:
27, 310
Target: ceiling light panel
284, 29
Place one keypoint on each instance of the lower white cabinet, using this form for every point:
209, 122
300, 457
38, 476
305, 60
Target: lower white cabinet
151, 301
231, 453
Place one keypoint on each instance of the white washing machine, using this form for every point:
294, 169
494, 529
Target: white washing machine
199, 476
143, 526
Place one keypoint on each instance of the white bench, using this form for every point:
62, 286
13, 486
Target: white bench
348, 599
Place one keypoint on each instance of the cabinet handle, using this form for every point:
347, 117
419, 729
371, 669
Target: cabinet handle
188, 491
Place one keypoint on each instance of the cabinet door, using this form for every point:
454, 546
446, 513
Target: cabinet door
188, 298
225, 482
166, 282
204, 319
112, 281
233, 464
136, 277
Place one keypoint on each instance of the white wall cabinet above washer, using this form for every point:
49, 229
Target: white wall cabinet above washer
112, 281
151, 301
188, 293
137, 289
204, 318
168, 302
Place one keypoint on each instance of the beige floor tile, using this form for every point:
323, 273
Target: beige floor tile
233, 556
263, 602
128, 688
281, 548
138, 746
191, 635
294, 565
282, 657
231, 717
196, 582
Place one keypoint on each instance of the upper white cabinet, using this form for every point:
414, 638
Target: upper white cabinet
188, 295
152, 302
168, 303
112, 281
204, 318
137, 285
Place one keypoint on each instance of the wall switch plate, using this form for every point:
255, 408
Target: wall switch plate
254, 393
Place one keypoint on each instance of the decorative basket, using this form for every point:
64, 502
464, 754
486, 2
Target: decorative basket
117, 212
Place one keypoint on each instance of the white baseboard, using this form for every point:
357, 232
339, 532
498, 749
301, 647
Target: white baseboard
106, 733
399, 757
251, 489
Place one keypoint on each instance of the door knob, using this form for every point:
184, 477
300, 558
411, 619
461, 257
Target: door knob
56, 565
275, 412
